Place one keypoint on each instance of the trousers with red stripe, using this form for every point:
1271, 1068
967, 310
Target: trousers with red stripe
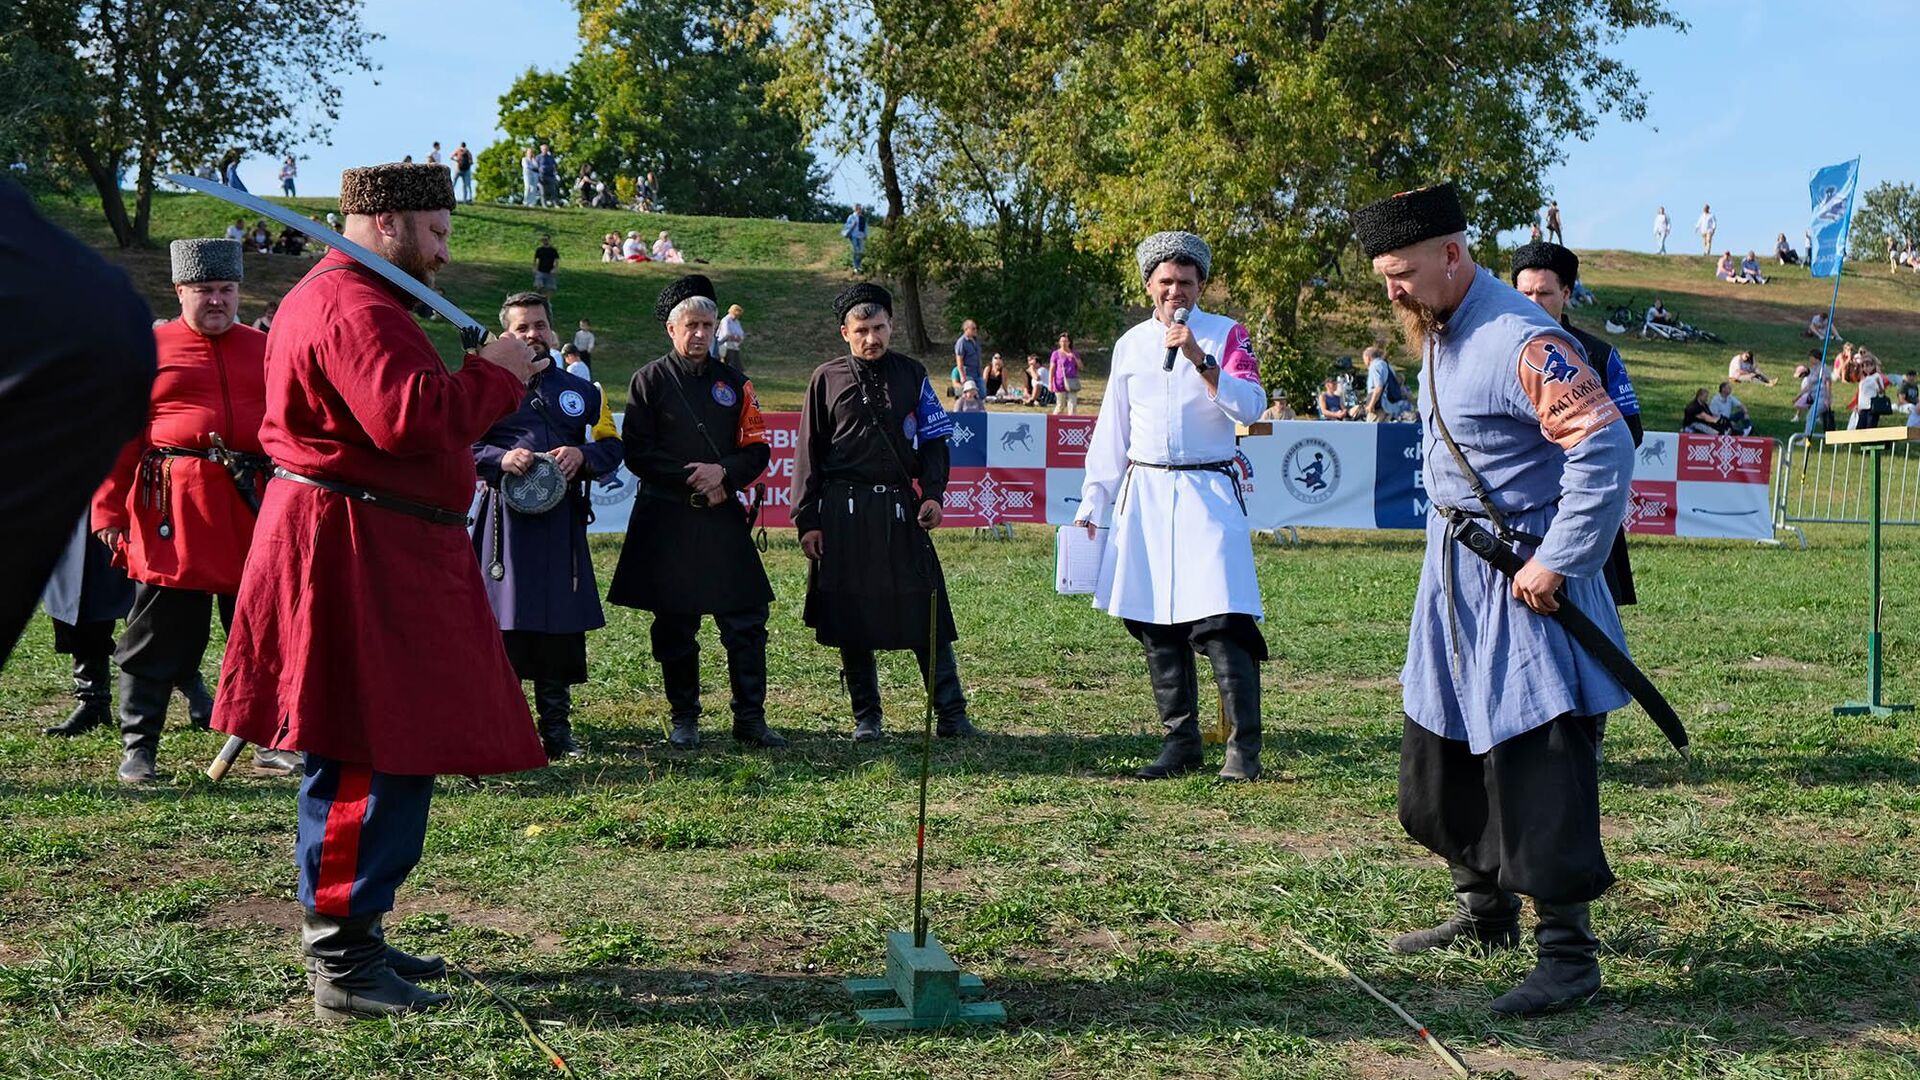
360, 835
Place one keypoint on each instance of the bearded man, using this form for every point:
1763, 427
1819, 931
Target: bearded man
363, 636
1498, 773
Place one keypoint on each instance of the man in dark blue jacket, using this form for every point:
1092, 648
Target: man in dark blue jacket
538, 572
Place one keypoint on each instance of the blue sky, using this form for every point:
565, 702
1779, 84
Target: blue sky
1742, 109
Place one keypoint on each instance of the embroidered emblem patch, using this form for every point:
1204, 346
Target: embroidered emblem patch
910, 426
725, 395
572, 403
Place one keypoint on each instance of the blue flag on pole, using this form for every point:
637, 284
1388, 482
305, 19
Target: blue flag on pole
1832, 190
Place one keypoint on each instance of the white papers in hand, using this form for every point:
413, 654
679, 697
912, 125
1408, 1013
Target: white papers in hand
1076, 560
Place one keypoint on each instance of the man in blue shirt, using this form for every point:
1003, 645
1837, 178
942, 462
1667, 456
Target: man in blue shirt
855, 230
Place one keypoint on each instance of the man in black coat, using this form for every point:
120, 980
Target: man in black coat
83, 389
695, 438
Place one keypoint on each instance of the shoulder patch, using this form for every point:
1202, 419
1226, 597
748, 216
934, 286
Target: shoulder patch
1567, 393
725, 396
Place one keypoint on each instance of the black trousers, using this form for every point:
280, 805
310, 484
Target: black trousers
541, 657
167, 631
743, 634
1525, 815
94, 638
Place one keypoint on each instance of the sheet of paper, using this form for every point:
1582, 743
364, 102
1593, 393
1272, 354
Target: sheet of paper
1076, 560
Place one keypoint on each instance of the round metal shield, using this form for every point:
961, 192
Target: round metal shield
538, 491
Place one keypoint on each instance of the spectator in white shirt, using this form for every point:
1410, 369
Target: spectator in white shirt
1817, 326
572, 364
1706, 226
584, 341
664, 251
1729, 408
237, 230
730, 338
1662, 228
1741, 369
1873, 384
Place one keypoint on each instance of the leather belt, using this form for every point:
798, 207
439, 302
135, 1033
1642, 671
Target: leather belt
438, 515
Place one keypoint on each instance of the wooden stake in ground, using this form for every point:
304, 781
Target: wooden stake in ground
1452, 1059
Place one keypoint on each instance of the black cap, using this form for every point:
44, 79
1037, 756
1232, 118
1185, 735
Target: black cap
1544, 255
1407, 218
681, 289
858, 293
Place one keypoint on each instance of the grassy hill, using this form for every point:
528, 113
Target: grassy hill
785, 274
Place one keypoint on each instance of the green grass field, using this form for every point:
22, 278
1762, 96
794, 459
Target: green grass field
691, 915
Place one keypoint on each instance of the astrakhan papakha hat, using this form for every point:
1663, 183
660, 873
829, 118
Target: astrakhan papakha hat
396, 188
1404, 220
206, 260
1546, 255
680, 290
1162, 246
858, 293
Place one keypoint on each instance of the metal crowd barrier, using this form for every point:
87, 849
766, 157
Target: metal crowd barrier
1832, 485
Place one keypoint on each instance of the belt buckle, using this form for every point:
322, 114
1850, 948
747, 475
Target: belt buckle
882, 489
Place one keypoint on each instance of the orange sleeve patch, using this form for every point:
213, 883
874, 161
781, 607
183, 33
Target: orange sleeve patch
1567, 393
753, 426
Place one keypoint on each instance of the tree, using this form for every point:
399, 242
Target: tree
668, 88
128, 83
1889, 211
1261, 134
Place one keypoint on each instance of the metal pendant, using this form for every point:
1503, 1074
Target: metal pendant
497, 571
165, 530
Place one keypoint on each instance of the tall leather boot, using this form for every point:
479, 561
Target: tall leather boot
860, 675
949, 700
199, 700
681, 679
1237, 676
747, 678
1483, 914
92, 688
553, 702
352, 978
143, 712
1170, 668
1568, 971
406, 965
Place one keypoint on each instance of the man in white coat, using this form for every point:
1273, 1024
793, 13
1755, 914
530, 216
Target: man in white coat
1178, 564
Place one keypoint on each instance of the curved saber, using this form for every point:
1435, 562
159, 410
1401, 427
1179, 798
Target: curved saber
472, 334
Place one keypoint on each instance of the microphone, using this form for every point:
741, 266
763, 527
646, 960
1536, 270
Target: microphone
1179, 319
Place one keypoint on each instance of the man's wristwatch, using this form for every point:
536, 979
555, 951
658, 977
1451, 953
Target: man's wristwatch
1207, 362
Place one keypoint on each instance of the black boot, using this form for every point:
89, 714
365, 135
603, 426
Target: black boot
747, 678
1170, 667
949, 700
352, 978
1483, 914
407, 966
681, 679
860, 675
1237, 676
143, 712
93, 690
199, 700
1568, 971
553, 701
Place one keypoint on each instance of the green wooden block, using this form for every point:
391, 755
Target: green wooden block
969, 1013
925, 979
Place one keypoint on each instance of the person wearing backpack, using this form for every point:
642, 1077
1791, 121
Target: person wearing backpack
1386, 396
463, 172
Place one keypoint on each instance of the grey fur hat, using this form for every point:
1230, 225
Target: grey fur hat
1162, 246
206, 260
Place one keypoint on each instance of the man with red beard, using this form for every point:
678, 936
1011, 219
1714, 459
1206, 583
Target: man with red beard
1497, 755
173, 513
363, 636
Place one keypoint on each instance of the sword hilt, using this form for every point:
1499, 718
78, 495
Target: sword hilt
472, 337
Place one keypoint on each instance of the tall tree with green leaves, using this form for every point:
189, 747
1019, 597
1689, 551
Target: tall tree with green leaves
130, 84
674, 89
1886, 212
1262, 133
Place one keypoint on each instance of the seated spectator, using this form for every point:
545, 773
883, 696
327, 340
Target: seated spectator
610, 248
1582, 296
1699, 419
956, 379
1658, 313
1386, 396
1331, 405
1784, 251
1280, 409
1728, 270
265, 322
1039, 383
970, 398
260, 238
1729, 408
1750, 270
664, 251
1809, 384
1906, 397
238, 230
634, 250
1816, 326
1741, 369
292, 242
996, 376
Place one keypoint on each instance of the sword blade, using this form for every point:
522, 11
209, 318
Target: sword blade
471, 332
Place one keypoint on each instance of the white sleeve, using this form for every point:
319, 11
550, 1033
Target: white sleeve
1106, 462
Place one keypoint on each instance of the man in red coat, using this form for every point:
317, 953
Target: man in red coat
176, 517
363, 635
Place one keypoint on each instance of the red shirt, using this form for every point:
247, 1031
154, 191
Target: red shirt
204, 386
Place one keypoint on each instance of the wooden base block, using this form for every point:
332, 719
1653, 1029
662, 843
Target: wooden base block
922, 988
971, 1013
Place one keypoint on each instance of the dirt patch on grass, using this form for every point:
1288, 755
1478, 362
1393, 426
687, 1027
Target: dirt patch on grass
253, 912
463, 910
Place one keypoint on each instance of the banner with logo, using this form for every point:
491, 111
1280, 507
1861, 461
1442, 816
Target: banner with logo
1028, 467
1832, 192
